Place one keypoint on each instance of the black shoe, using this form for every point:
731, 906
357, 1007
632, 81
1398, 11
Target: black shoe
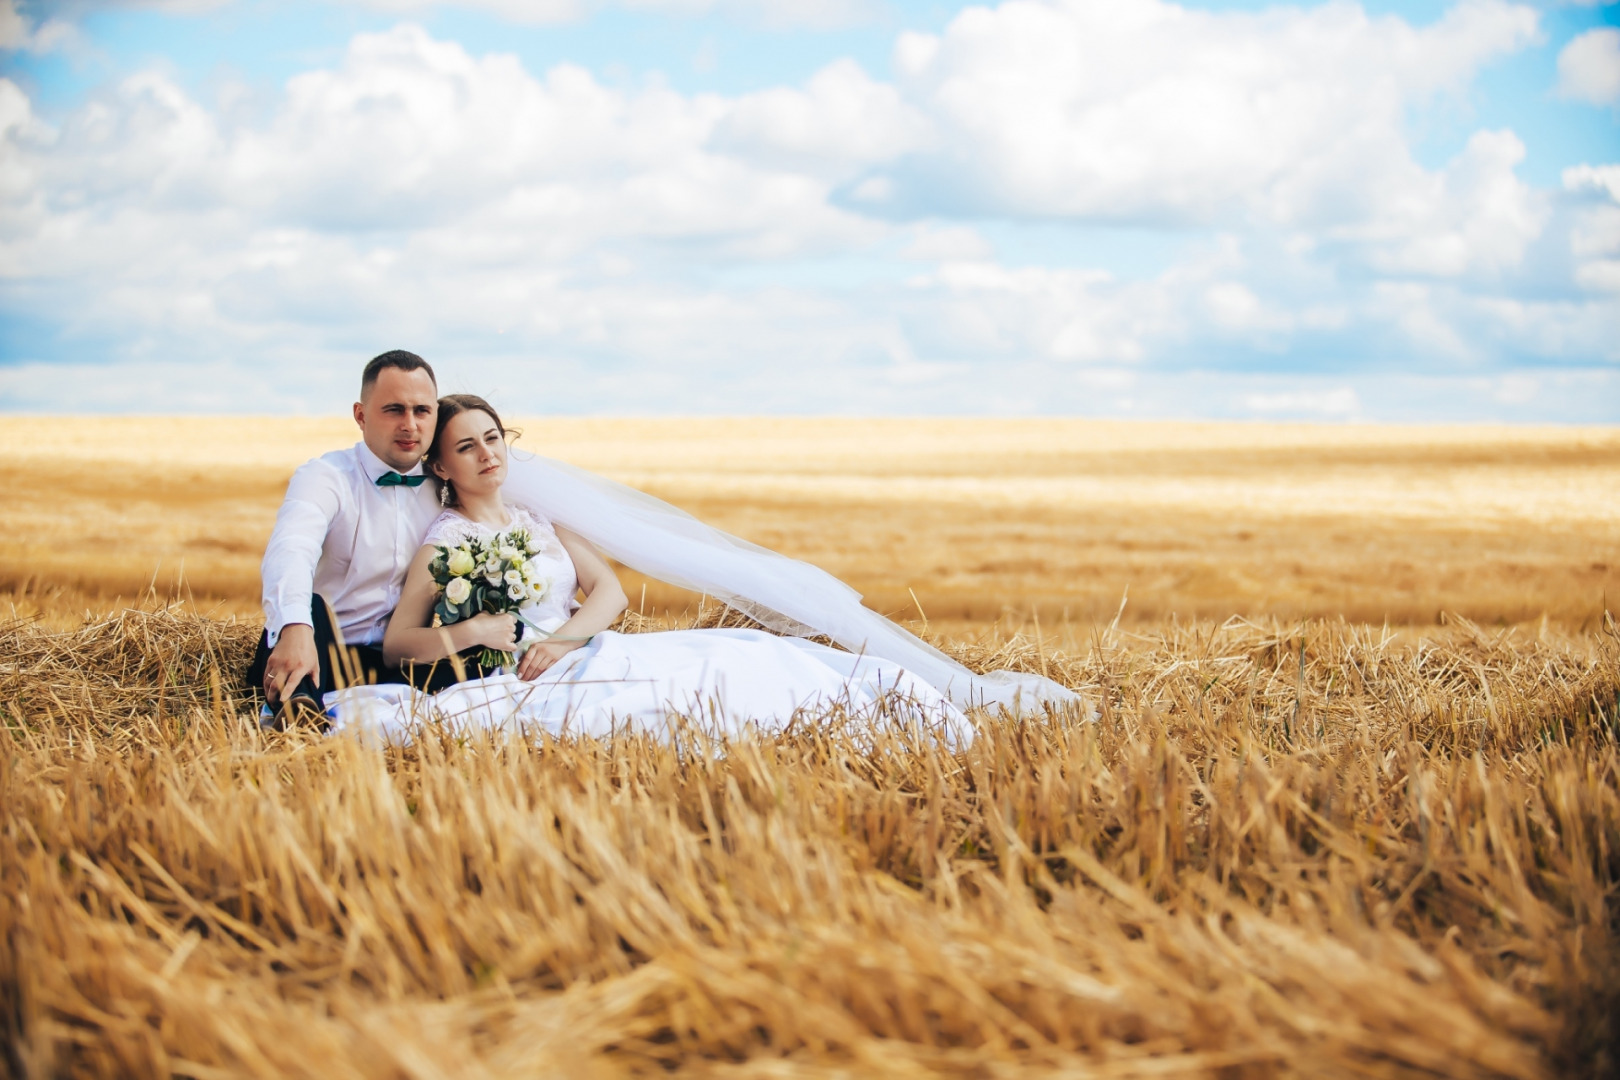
301, 711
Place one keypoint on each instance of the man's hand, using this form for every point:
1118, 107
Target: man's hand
291, 659
537, 658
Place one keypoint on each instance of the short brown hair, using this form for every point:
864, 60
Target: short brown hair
394, 358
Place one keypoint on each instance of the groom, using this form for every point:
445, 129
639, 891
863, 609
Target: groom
347, 530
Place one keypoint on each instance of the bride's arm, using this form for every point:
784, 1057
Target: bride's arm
410, 635
604, 602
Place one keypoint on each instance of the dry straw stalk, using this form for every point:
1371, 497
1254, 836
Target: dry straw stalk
1315, 850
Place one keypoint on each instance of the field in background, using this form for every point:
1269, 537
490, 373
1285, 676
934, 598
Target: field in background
1301, 843
976, 518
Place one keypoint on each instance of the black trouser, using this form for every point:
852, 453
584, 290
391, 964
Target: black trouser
352, 665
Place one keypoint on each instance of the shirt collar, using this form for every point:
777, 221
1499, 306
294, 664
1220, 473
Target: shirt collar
375, 467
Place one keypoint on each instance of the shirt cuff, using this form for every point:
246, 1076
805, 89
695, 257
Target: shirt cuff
272, 630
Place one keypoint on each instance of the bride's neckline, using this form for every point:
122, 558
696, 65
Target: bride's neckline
511, 519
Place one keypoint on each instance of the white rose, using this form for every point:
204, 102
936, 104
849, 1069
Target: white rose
460, 562
458, 590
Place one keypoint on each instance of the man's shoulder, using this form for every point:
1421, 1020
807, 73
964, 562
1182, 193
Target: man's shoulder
336, 464
321, 479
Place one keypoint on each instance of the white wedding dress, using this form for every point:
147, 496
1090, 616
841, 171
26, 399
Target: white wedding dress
722, 681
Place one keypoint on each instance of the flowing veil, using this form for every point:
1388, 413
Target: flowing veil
654, 538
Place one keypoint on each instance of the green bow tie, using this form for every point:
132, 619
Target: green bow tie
393, 479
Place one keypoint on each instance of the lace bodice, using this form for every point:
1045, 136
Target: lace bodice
451, 527
551, 611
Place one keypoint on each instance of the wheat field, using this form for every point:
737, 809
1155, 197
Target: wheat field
976, 518
1351, 806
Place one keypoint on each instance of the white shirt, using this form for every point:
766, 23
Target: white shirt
340, 535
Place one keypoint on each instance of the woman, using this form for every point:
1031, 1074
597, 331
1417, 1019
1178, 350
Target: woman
574, 674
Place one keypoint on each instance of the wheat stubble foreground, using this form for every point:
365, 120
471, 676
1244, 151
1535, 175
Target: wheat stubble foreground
1316, 849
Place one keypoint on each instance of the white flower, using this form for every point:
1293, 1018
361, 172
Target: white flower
458, 590
537, 590
508, 552
493, 576
513, 577
515, 592
460, 562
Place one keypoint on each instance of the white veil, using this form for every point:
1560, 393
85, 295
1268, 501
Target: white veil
654, 538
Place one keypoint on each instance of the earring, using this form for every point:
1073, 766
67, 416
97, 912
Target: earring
444, 493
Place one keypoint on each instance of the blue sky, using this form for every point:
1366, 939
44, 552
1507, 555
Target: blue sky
1133, 208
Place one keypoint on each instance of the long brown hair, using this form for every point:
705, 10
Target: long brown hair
450, 406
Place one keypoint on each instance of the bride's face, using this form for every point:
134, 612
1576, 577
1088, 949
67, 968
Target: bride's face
472, 453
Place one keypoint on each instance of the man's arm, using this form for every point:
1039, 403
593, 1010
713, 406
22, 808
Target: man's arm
313, 497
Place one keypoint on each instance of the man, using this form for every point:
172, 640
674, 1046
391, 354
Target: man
347, 530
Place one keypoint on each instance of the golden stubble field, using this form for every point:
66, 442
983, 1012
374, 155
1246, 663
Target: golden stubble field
1351, 805
975, 517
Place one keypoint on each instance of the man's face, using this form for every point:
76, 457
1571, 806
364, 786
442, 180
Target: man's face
396, 416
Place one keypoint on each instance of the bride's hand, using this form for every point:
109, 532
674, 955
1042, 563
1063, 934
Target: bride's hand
498, 632
538, 657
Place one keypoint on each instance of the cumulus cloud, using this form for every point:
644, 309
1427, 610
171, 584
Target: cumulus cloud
414, 192
1338, 403
932, 242
1589, 67
1595, 179
19, 32
841, 121
810, 13
577, 244
1594, 237
1473, 216
1149, 111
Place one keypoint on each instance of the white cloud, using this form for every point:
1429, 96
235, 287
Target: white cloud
1589, 67
522, 12
18, 32
947, 243
1475, 215
1145, 110
576, 244
1233, 305
807, 13
810, 13
1338, 403
840, 121
14, 30
416, 193
1594, 237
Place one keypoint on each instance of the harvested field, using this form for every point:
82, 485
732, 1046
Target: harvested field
1314, 851
977, 518
1296, 842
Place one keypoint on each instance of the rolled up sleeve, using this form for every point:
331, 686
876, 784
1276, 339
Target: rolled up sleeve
314, 496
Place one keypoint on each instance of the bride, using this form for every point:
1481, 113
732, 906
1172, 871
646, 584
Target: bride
575, 675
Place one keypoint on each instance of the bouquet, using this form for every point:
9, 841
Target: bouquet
496, 575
